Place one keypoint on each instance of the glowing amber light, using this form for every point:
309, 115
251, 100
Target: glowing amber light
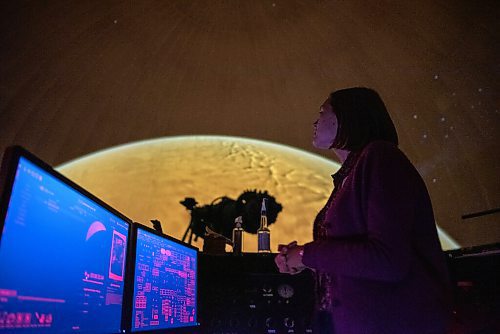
146, 180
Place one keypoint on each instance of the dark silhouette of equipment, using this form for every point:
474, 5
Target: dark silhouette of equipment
475, 273
219, 215
157, 225
246, 294
481, 213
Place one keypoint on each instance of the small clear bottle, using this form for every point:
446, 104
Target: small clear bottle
263, 233
238, 235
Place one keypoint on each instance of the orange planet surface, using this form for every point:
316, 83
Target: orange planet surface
147, 180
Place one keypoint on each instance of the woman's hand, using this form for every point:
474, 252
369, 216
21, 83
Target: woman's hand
294, 259
280, 261
281, 258
289, 260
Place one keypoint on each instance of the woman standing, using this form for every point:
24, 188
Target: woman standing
376, 252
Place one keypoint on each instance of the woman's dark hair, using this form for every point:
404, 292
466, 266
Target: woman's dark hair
362, 118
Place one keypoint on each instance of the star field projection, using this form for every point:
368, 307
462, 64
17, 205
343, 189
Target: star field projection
463, 117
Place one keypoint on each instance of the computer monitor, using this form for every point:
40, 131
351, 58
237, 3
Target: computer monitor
164, 285
62, 253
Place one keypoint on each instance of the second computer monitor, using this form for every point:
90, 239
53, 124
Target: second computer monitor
164, 282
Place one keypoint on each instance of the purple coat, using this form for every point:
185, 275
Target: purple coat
388, 269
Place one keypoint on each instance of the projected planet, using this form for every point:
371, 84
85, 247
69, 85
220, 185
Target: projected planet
147, 180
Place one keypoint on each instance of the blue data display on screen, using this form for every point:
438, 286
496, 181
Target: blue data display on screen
164, 284
62, 259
